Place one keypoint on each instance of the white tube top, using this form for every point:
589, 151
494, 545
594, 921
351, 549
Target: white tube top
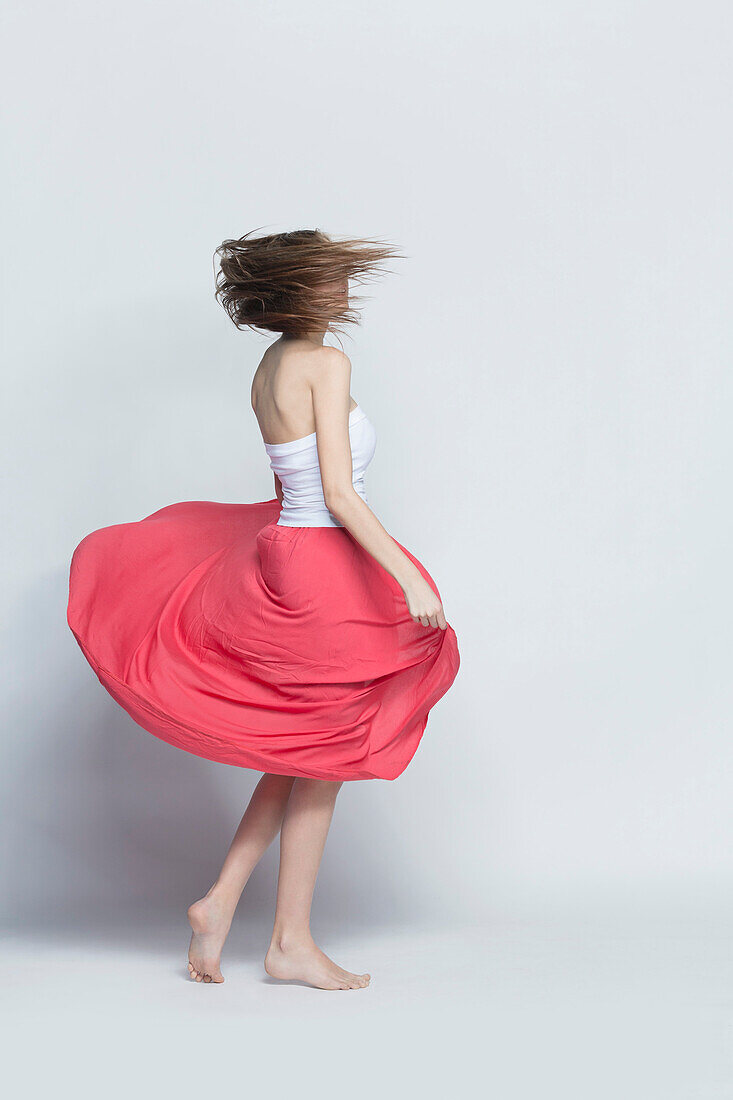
296, 465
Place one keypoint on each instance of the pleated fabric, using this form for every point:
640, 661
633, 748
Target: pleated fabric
284, 649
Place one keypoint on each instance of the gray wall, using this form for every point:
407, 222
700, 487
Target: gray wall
549, 376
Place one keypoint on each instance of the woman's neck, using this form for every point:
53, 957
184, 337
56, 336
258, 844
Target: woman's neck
311, 337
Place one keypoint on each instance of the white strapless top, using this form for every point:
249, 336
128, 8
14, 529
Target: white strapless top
296, 465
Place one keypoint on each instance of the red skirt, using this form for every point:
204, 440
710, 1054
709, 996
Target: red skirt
285, 649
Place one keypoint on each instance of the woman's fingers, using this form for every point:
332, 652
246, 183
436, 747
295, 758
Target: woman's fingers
434, 619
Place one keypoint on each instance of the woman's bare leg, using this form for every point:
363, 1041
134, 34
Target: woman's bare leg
293, 954
211, 917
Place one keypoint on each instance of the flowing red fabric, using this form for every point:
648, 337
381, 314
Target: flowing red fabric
285, 649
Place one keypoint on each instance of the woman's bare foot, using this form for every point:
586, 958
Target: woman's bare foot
302, 961
210, 918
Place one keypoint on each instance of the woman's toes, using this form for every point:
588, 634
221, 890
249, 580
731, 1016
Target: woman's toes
204, 976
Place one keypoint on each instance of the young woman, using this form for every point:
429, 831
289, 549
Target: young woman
294, 636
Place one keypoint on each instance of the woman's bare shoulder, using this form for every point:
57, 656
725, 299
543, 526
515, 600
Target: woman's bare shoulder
329, 365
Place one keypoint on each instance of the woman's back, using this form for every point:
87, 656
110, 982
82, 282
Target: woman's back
281, 389
298, 470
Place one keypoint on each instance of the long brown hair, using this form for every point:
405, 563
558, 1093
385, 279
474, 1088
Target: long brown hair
288, 282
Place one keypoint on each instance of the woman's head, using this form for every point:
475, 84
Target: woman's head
295, 283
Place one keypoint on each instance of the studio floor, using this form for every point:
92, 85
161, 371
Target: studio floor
613, 1004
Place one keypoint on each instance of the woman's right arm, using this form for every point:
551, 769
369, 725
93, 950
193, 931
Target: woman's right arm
331, 392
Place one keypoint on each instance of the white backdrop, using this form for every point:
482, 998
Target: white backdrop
549, 376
